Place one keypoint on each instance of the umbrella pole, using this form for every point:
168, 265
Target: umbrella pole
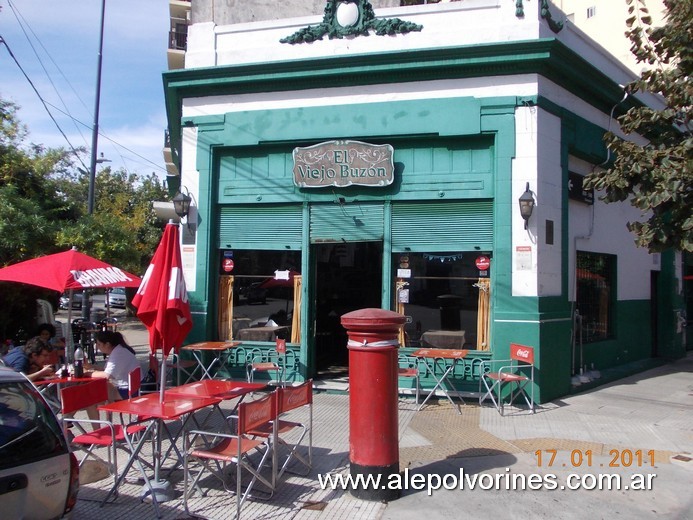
162, 377
70, 345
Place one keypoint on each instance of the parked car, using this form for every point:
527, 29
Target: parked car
116, 297
39, 475
256, 294
77, 298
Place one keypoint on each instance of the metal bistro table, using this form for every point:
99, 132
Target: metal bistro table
432, 355
220, 351
217, 388
150, 407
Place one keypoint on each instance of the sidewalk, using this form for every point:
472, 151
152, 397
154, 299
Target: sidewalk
649, 411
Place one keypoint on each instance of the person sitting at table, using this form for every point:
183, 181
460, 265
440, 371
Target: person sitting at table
46, 331
121, 361
31, 359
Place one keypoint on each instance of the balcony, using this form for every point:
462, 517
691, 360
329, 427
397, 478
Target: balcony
171, 168
178, 40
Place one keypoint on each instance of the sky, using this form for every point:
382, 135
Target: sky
65, 36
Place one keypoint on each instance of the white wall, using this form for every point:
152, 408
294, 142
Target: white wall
601, 228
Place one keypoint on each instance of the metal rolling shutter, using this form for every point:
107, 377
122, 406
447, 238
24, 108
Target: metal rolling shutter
351, 222
449, 226
260, 226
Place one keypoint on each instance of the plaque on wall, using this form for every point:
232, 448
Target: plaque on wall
343, 163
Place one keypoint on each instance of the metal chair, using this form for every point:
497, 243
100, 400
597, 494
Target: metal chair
105, 435
276, 365
408, 369
512, 377
222, 449
288, 399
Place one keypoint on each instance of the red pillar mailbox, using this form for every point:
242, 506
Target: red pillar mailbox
373, 430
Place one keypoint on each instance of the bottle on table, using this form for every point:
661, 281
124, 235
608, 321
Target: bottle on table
79, 362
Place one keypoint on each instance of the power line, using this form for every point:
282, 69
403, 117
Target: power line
23, 23
108, 138
43, 102
66, 111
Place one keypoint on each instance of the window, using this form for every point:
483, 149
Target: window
596, 291
29, 432
441, 297
257, 296
591, 11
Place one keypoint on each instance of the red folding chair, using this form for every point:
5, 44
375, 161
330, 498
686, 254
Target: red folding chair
288, 399
107, 435
275, 364
512, 377
408, 370
222, 449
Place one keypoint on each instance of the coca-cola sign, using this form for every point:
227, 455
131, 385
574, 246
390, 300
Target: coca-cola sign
343, 163
522, 353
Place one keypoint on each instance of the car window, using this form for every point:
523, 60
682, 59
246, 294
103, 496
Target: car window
28, 429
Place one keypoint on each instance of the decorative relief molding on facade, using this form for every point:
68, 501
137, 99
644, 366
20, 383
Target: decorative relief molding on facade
350, 18
554, 25
519, 9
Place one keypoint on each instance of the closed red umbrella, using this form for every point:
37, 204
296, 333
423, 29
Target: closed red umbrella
162, 301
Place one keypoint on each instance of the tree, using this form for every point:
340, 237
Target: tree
44, 211
656, 177
123, 229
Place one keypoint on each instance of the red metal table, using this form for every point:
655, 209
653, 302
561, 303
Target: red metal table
220, 351
217, 388
150, 406
430, 356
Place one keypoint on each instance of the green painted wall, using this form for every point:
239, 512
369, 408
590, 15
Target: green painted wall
266, 137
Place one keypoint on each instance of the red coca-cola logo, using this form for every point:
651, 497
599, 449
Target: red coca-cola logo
522, 352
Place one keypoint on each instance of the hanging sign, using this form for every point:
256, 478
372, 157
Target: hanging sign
343, 163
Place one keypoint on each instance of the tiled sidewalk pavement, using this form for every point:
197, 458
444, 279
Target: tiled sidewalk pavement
648, 411
296, 498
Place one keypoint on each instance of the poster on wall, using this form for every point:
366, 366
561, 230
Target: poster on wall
523, 258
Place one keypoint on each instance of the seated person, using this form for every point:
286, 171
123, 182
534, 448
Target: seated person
121, 361
46, 331
31, 359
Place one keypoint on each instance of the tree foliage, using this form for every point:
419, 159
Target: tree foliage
44, 210
656, 177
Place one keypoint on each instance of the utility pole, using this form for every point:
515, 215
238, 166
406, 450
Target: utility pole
86, 303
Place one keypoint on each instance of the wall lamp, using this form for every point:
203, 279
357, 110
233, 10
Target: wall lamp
181, 203
526, 204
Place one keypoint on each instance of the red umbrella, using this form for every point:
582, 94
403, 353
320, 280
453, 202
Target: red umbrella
67, 271
162, 301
